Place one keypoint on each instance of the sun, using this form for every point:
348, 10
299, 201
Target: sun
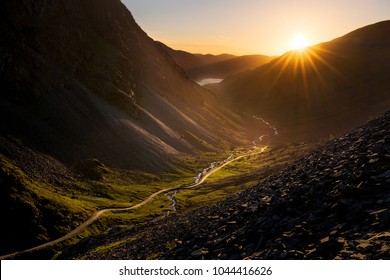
300, 42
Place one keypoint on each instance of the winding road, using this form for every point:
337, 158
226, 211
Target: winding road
99, 213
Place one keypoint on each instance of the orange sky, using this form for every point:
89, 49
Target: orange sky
252, 26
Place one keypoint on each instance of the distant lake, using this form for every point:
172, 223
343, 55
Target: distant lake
209, 81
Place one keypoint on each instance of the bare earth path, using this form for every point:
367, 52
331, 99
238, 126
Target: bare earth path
99, 213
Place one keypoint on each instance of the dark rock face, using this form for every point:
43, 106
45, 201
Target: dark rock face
333, 203
80, 80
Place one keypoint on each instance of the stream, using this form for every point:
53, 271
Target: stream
268, 124
172, 198
198, 178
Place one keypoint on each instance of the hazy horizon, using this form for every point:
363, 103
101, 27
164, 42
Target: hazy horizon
252, 26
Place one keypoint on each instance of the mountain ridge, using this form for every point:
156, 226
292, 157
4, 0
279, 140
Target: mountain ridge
188, 60
325, 89
123, 97
200, 66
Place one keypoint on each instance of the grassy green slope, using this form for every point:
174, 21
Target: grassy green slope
33, 212
35, 208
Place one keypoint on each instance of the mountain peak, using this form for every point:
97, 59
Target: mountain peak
96, 86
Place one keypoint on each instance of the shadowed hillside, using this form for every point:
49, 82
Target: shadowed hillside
89, 104
325, 89
78, 84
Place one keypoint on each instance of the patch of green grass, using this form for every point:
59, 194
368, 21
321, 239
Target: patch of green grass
196, 141
157, 207
70, 204
239, 175
192, 199
171, 245
34, 211
154, 256
107, 247
56, 209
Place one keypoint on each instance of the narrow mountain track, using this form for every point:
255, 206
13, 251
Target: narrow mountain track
99, 213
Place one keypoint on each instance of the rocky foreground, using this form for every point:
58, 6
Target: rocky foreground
333, 203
